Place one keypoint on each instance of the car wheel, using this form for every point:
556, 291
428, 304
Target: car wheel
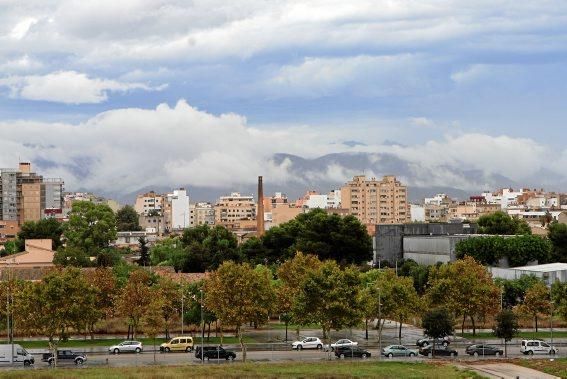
299, 347
208, 358
390, 355
116, 351
552, 352
364, 356
167, 349
530, 352
27, 363
79, 361
497, 354
411, 354
50, 362
425, 343
188, 349
475, 353
138, 350
445, 343
342, 356
319, 347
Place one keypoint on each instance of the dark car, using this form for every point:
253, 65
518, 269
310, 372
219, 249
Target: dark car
64, 356
477, 350
351, 352
439, 351
214, 352
429, 341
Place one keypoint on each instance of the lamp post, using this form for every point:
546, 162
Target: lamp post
551, 311
202, 330
379, 323
182, 304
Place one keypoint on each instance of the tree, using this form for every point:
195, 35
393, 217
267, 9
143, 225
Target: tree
506, 327
170, 294
144, 252
514, 290
437, 323
536, 302
134, 298
169, 251
238, 294
466, 288
104, 283
254, 251
91, 227
328, 236
127, 219
419, 274
71, 256
193, 309
61, 301
152, 321
501, 223
10, 247
519, 250
291, 275
557, 234
559, 297
48, 228
329, 297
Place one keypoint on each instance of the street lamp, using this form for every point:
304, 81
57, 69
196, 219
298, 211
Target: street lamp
202, 330
182, 304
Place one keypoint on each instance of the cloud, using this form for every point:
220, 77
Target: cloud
69, 87
21, 28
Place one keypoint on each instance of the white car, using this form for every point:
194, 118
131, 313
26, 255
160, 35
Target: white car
341, 343
127, 347
531, 347
307, 343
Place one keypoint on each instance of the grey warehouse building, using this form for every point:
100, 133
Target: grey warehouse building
425, 243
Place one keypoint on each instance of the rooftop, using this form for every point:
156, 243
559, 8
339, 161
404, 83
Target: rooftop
543, 268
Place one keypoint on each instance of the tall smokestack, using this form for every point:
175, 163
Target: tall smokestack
260, 212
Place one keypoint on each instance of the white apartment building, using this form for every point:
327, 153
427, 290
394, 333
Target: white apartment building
180, 213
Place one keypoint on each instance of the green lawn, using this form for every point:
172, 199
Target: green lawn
557, 367
259, 370
543, 334
148, 342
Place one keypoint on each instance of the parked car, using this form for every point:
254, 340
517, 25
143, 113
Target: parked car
341, 343
352, 352
127, 347
20, 355
477, 350
398, 351
214, 352
531, 347
181, 343
308, 343
64, 356
429, 341
439, 351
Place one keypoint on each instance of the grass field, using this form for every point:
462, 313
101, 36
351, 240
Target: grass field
148, 342
261, 370
557, 367
542, 334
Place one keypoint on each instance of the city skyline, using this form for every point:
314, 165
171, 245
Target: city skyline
87, 91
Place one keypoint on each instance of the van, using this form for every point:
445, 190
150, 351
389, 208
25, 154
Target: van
531, 347
181, 343
20, 355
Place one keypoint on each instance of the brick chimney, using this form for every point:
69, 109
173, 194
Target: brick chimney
260, 211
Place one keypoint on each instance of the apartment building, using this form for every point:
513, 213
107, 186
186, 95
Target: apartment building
178, 209
27, 196
202, 214
375, 201
235, 211
149, 203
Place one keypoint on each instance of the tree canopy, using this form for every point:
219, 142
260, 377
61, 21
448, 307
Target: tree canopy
506, 327
48, 228
557, 234
127, 219
502, 223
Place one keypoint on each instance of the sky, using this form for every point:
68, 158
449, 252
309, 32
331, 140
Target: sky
128, 94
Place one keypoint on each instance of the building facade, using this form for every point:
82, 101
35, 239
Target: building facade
235, 210
178, 200
202, 214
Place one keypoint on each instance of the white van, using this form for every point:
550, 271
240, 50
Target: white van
20, 355
530, 347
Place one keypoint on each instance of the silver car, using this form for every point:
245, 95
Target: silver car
127, 347
398, 351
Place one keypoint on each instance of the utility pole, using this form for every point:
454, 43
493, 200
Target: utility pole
202, 330
182, 303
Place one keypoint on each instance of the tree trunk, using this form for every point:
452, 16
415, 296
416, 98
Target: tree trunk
535, 318
463, 325
209, 332
221, 334
154, 349
366, 333
286, 323
505, 348
327, 336
473, 326
297, 333
400, 332
242, 347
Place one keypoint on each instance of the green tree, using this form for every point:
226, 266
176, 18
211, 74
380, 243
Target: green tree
254, 251
238, 294
328, 236
169, 251
144, 252
501, 223
152, 321
48, 228
127, 219
10, 247
557, 234
62, 301
206, 248
71, 256
437, 323
134, 298
559, 297
419, 274
192, 310
91, 227
506, 327
329, 297
536, 302
465, 287
514, 290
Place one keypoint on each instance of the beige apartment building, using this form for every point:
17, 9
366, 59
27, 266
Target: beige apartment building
234, 211
375, 201
148, 202
202, 213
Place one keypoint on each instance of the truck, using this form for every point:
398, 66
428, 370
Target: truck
21, 356
64, 356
